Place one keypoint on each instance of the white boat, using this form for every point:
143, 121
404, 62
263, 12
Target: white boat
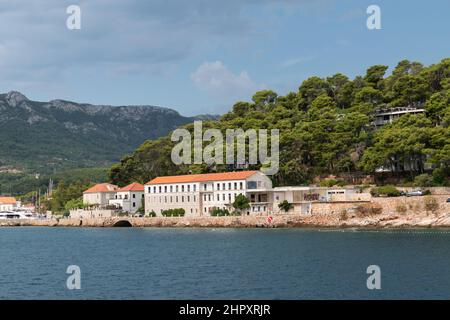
19, 214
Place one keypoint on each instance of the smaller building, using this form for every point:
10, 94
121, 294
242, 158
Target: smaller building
386, 116
303, 199
106, 200
129, 199
99, 195
8, 203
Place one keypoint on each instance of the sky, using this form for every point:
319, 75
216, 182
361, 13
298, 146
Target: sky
202, 56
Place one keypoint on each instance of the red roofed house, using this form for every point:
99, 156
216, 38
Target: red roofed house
129, 198
100, 194
8, 203
199, 194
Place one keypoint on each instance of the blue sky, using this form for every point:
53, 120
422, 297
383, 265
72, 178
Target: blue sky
201, 56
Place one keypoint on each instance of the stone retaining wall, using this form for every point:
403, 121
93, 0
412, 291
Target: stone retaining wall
323, 215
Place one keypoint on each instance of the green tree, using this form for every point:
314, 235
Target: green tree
241, 203
285, 206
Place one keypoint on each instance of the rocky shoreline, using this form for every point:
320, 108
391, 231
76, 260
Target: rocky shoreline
380, 221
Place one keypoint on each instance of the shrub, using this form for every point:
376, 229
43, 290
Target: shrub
389, 191
152, 214
430, 204
241, 203
362, 187
341, 183
328, 183
173, 212
285, 206
440, 175
423, 180
368, 209
401, 208
220, 212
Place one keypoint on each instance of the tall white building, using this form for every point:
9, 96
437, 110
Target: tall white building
129, 198
199, 194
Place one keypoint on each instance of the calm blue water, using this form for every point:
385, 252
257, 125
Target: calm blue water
222, 263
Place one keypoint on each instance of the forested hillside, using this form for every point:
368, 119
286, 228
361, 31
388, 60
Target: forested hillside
326, 127
45, 137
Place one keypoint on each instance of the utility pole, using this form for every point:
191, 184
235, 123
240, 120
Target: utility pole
39, 200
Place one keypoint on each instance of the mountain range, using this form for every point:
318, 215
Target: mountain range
48, 136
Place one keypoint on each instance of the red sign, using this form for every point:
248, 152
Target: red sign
269, 219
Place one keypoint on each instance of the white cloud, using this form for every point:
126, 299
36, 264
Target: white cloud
218, 81
294, 61
131, 36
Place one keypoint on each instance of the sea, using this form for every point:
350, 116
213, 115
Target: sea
204, 263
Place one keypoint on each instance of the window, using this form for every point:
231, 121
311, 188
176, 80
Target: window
195, 187
134, 196
159, 189
229, 185
223, 196
182, 198
176, 188
188, 198
235, 185
189, 188
182, 188
218, 197
204, 197
218, 186
204, 187
165, 189
154, 189
194, 199
165, 199
176, 198
209, 197
241, 185
229, 197
171, 199
134, 204
251, 185
171, 188
223, 186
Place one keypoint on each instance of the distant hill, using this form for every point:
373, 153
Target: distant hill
49, 136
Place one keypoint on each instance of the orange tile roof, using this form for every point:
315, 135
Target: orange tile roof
102, 187
132, 187
8, 200
238, 175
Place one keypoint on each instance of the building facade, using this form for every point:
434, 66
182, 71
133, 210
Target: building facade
129, 198
200, 194
386, 116
100, 195
8, 203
